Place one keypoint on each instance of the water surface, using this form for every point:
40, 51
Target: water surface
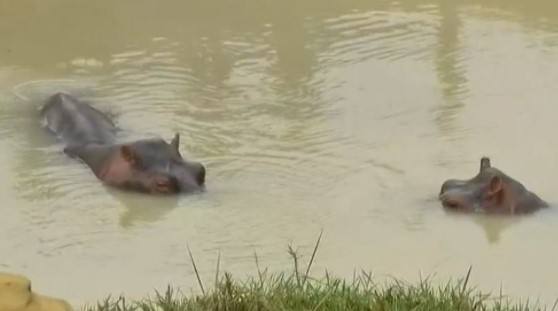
341, 116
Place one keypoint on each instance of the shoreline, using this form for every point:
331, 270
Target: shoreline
297, 290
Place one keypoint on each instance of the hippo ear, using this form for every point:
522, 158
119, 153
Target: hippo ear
495, 185
484, 163
175, 141
129, 155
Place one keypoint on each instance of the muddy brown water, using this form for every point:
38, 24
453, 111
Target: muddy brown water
342, 116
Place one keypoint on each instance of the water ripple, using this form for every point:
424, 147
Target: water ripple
373, 35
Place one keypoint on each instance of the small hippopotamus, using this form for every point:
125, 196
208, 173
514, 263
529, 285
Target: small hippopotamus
490, 191
146, 165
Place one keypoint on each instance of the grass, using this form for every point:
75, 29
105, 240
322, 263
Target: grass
296, 290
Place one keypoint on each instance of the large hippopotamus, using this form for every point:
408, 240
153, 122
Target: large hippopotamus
146, 165
490, 191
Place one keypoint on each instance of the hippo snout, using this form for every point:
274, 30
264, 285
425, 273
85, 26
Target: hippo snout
191, 176
450, 184
452, 201
458, 194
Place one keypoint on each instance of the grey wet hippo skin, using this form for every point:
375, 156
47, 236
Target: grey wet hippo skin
147, 165
490, 191
77, 123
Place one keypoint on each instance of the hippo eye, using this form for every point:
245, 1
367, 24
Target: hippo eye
163, 186
162, 183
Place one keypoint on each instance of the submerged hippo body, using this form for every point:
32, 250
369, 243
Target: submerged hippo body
490, 191
147, 165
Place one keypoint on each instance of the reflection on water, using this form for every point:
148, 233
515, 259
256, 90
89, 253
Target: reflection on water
141, 208
494, 226
450, 70
308, 116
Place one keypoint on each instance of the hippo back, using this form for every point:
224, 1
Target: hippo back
76, 122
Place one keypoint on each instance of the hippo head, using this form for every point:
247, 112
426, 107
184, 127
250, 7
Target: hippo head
490, 191
153, 166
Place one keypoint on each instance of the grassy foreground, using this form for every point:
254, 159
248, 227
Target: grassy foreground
284, 292
297, 291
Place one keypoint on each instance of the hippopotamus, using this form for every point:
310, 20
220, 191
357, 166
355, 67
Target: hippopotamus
147, 165
491, 192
